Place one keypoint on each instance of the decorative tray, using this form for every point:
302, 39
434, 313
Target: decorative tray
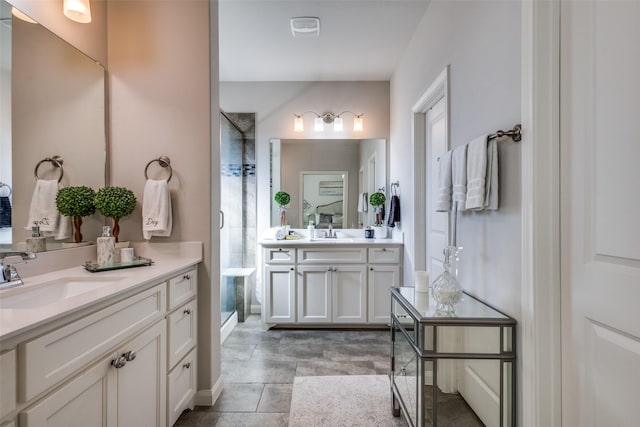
94, 267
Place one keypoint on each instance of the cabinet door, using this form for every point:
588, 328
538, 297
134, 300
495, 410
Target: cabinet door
280, 294
314, 294
89, 400
349, 294
381, 278
142, 391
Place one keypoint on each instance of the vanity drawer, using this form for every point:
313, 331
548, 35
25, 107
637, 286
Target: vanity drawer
183, 332
182, 288
7, 382
182, 383
280, 255
384, 255
49, 359
331, 255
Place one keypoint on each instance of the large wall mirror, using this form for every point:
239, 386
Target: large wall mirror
326, 178
53, 103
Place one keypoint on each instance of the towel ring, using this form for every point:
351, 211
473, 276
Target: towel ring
163, 161
2, 185
57, 162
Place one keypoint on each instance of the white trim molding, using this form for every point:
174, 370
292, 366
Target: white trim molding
540, 359
209, 397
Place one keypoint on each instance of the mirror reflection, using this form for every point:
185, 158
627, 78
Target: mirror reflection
52, 104
326, 178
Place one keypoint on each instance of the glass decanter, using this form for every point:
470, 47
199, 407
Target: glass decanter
446, 289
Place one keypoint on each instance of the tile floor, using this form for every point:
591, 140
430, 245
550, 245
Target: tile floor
258, 368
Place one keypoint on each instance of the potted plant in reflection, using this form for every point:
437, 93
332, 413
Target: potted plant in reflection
377, 200
282, 198
115, 203
76, 202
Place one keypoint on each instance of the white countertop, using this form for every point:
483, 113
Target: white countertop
168, 259
351, 236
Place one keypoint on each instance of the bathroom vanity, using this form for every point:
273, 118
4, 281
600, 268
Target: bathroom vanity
335, 282
111, 348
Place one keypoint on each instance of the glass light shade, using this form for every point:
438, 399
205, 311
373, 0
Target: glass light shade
20, 15
338, 124
298, 124
318, 125
358, 125
77, 10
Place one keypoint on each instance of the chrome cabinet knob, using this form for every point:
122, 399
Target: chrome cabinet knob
187, 311
186, 277
129, 355
119, 362
187, 365
329, 269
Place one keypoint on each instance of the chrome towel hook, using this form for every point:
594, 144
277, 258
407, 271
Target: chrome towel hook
163, 161
56, 161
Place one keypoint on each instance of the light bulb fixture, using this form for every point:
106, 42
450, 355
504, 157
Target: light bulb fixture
328, 118
21, 15
77, 10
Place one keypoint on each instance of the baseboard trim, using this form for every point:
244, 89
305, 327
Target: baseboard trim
256, 308
209, 397
228, 326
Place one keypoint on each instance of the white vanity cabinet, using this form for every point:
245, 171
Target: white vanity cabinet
339, 284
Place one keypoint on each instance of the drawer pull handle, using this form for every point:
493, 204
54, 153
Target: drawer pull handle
130, 355
371, 268
384, 249
187, 365
402, 316
329, 269
119, 362
187, 311
292, 269
186, 277
279, 249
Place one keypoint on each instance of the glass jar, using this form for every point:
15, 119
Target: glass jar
446, 289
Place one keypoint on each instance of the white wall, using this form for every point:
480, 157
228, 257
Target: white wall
480, 41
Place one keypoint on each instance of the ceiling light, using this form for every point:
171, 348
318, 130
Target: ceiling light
77, 10
305, 26
328, 118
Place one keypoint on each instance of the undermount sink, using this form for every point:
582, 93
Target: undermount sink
52, 291
334, 239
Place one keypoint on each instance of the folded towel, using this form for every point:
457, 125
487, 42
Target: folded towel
44, 212
476, 173
491, 182
157, 218
5, 212
443, 195
394, 211
274, 233
363, 204
459, 176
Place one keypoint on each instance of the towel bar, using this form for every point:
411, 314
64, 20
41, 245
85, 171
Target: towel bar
163, 161
56, 161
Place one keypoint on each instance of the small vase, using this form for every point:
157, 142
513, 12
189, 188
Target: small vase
446, 289
380, 231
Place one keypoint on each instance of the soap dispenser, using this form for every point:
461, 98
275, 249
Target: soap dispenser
106, 247
36, 243
311, 230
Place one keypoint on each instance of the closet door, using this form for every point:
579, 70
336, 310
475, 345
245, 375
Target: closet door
600, 232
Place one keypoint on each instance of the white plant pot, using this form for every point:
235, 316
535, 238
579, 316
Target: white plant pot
380, 232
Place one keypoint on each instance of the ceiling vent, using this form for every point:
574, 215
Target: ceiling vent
305, 26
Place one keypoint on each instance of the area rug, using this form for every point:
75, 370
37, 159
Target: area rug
342, 401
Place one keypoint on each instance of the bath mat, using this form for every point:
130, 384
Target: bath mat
342, 401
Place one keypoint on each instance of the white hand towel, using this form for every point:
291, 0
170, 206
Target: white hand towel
443, 195
476, 173
459, 176
363, 204
274, 233
157, 218
491, 183
44, 212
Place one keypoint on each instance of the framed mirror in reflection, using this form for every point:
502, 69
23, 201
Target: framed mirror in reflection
53, 104
326, 179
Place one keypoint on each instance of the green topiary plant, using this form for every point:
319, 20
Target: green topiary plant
115, 203
282, 198
76, 202
378, 200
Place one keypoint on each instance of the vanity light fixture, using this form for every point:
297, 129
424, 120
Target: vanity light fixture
77, 10
328, 118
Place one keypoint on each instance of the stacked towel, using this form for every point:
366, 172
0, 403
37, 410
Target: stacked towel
274, 233
459, 176
157, 219
482, 174
363, 202
5, 212
443, 195
44, 212
394, 211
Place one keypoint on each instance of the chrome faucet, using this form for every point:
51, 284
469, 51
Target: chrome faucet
9, 277
330, 234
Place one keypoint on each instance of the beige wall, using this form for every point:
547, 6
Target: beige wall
161, 104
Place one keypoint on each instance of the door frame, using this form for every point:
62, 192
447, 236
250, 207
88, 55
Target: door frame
438, 90
540, 357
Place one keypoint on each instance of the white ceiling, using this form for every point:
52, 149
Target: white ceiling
359, 39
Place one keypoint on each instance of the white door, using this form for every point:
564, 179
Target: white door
349, 294
437, 222
380, 279
600, 213
279, 294
314, 294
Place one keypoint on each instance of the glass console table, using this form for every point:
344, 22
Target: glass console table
451, 369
